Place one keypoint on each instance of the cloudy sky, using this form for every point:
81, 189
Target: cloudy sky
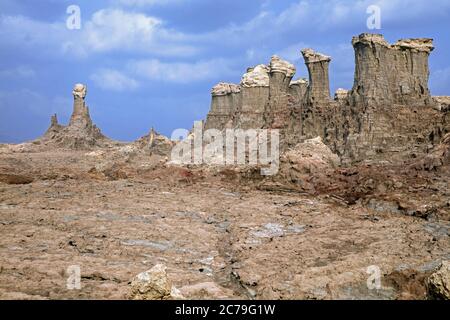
152, 63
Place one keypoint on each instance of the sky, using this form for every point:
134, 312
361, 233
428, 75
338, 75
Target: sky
152, 63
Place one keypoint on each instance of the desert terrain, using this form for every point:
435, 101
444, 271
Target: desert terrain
359, 208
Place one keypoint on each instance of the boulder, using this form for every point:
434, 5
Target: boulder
153, 284
438, 284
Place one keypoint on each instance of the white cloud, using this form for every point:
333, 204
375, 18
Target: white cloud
19, 72
114, 80
179, 72
108, 30
26, 32
118, 30
111, 29
143, 3
313, 17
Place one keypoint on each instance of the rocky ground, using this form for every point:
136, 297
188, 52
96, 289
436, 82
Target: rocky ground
309, 233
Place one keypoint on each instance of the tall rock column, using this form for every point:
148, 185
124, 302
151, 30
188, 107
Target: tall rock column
280, 76
280, 101
81, 133
298, 89
254, 98
226, 99
319, 83
80, 115
391, 74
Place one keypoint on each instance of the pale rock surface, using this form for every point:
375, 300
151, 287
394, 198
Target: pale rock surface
298, 82
439, 282
442, 103
79, 90
256, 77
282, 66
304, 165
311, 156
222, 89
341, 94
153, 284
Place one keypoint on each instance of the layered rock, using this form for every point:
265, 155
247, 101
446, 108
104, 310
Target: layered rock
298, 89
391, 74
286, 98
265, 98
319, 83
254, 97
388, 115
280, 77
225, 101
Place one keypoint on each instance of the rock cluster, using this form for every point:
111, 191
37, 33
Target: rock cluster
391, 74
81, 133
155, 143
388, 115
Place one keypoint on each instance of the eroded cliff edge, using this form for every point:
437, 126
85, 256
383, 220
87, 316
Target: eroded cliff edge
388, 115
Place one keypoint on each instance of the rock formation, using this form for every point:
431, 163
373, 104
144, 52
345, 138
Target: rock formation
391, 74
153, 284
81, 133
254, 97
388, 115
341, 95
155, 143
280, 77
303, 165
442, 103
438, 283
54, 126
319, 83
225, 100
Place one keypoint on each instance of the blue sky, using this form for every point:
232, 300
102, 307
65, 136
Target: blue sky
152, 63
